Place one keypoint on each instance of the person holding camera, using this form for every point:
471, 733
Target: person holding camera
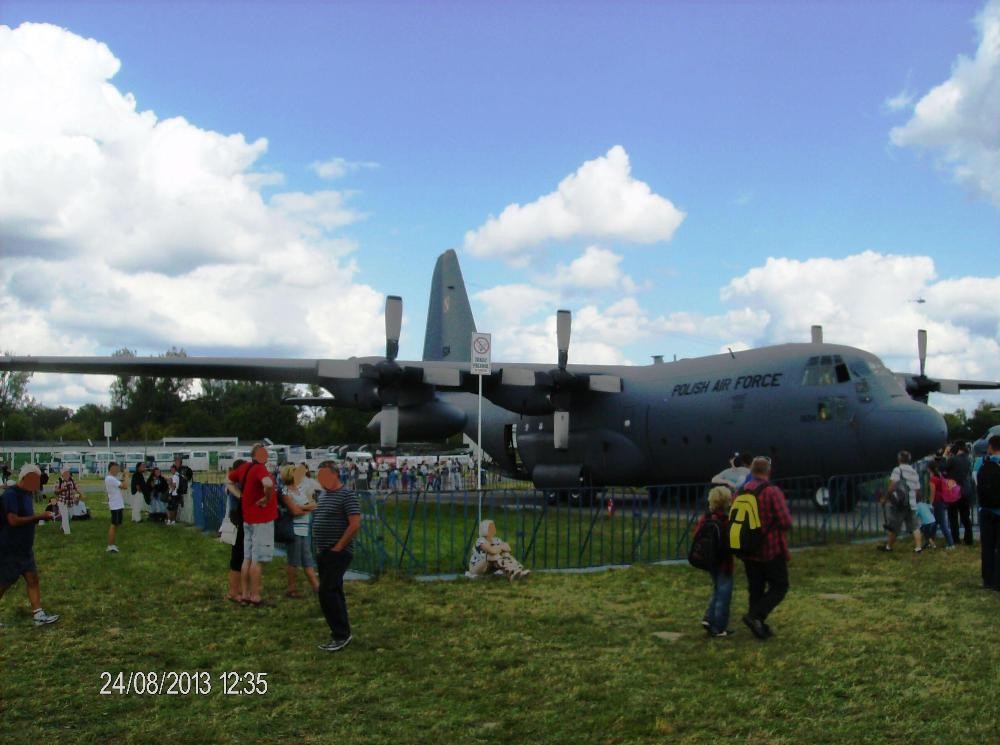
17, 539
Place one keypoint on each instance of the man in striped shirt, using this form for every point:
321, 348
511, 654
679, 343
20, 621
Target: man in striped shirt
336, 519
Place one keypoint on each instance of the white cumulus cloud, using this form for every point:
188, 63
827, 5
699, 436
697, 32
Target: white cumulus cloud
596, 269
601, 200
868, 300
122, 229
960, 118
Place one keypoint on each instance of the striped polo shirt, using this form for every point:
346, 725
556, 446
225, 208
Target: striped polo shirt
330, 518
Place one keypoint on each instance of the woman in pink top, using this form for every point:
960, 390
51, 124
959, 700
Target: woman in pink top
938, 488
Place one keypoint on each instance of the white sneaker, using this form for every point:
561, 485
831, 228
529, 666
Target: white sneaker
42, 618
112, 549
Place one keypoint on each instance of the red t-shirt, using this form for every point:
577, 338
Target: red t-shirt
252, 490
940, 487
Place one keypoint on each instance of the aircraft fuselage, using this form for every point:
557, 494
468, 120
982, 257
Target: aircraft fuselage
815, 409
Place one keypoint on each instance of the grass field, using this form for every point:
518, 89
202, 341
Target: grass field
869, 648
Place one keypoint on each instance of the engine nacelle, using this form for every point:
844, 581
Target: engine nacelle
550, 476
433, 420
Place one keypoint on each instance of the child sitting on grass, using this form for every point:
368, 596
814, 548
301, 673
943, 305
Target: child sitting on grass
716, 619
490, 554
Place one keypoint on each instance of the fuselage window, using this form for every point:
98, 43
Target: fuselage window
826, 370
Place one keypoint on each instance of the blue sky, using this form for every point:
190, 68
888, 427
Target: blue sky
767, 124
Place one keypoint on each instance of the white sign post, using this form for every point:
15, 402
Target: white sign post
481, 365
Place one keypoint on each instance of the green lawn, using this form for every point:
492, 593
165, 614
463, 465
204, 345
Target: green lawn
903, 653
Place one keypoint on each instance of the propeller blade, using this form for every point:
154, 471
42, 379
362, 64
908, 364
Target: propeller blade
606, 383
922, 349
393, 324
560, 430
817, 334
564, 324
517, 376
389, 426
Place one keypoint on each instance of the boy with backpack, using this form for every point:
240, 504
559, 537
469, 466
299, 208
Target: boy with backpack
710, 551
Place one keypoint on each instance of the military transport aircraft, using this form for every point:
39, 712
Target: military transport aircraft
817, 408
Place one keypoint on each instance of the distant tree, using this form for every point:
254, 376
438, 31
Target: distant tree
71, 431
338, 426
13, 390
986, 415
140, 401
958, 425
90, 419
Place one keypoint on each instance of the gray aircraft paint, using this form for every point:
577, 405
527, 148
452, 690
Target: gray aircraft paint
670, 423
450, 324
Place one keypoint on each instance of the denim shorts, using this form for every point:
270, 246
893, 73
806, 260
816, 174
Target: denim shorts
300, 553
258, 541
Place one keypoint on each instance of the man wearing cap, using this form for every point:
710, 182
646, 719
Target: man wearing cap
17, 539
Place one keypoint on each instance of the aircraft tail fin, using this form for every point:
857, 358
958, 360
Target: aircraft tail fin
449, 316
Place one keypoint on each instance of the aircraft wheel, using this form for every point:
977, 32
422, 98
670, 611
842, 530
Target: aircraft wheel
822, 499
840, 499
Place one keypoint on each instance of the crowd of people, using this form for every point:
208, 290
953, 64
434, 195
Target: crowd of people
747, 513
449, 474
743, 502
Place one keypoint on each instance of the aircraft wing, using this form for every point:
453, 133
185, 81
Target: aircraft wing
920, 385
222, 368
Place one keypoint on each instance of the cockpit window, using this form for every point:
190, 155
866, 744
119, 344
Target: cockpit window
826, 370
860, 368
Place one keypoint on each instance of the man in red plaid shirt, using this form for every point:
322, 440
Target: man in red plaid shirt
767, 568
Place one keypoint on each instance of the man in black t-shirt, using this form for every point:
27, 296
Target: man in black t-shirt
336, 519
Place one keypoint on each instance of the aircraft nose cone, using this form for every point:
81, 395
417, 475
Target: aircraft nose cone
904, 425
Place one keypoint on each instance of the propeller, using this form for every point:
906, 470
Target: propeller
922, 349
383, 382
561, 386
920, 386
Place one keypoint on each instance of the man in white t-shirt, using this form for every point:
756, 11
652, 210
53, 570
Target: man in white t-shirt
897, 515
114, 484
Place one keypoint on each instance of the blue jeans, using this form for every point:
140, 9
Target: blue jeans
941, 515
717, 613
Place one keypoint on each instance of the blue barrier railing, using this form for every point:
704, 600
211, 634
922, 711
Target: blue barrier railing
433, 532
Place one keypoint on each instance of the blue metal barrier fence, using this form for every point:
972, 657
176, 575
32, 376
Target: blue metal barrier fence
433, 532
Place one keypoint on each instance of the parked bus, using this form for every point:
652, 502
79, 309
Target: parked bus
196, 460
227, 457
